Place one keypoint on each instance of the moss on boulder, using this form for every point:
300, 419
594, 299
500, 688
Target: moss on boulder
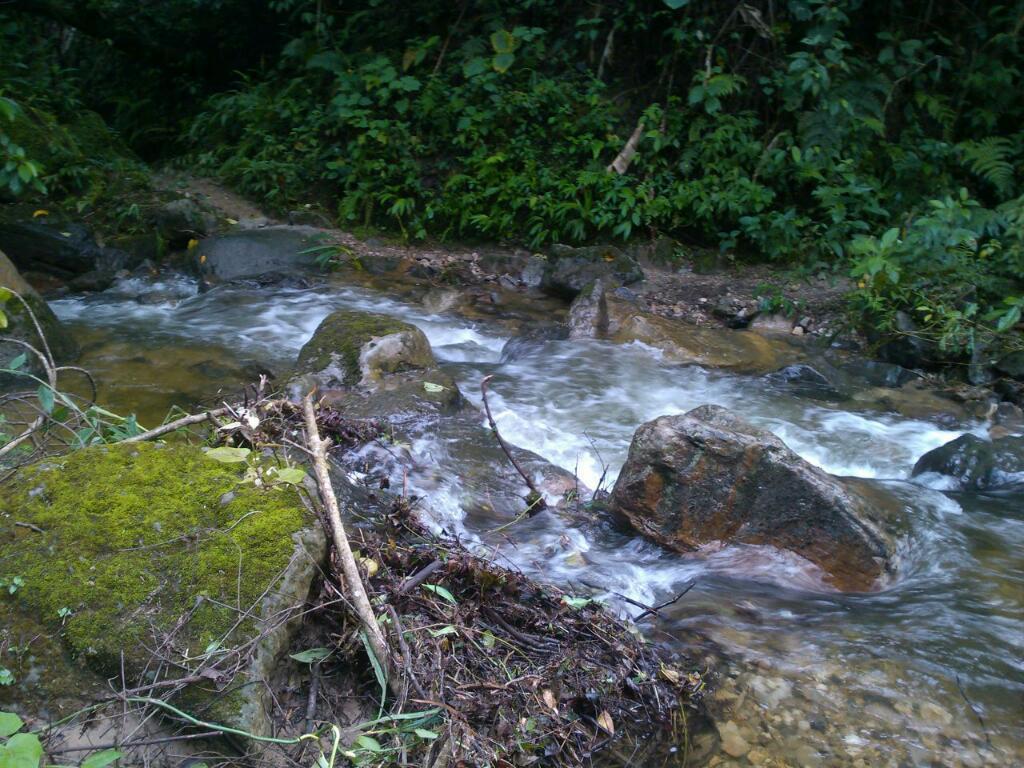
360, 347
159, 544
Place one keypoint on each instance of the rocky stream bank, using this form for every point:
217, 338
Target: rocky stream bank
702, 484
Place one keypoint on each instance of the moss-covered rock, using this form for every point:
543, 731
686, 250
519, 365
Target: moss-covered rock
21, 328
160, 546
361, 347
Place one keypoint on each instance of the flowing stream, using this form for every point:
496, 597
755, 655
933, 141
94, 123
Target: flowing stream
926, 672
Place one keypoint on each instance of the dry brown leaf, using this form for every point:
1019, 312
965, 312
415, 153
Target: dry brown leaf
670, 674
605, 721
549, 700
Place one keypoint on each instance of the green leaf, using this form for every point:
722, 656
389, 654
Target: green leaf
448, 630
487, 639
440, 591
503, 61
45, 395
474, 67
367, 744
17, 362
1008, 320
310, 655
432, 387
576, 602
675, 5
3, 320
22, 750
228, 455
101, 759
378, 671
290, 475
10, 724
423, 733
5, 294
503, 41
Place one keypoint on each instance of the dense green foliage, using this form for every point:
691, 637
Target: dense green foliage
882, 137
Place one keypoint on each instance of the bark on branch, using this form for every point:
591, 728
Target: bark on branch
349, 568
621, 162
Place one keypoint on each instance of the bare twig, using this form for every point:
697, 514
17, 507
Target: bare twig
418, 578
353, 579
171, 426
537, 498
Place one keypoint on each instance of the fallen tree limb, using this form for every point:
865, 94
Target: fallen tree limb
349, 568
536, 498
171, 426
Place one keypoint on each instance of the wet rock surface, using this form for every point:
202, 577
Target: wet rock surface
249, 253
569, 270
974, 463
709, 476
605, 310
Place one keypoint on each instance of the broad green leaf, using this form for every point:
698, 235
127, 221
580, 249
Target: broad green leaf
503, 61
17, 362
423, 733
10, 724
487, 639
290, 475
440, 591
5, 294
432, 387
101, 759
367, 743
228, 455
22, 750
3, 320
45, 395
474, 67
503, 42
675, 5
310, 655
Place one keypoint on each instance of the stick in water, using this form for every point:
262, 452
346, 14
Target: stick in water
536, 498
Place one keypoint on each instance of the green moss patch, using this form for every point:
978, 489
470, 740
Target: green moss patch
131, 538
340, 338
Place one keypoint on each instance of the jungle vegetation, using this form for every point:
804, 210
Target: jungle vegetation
882, 141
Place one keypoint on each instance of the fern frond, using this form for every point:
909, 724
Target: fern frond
990, 158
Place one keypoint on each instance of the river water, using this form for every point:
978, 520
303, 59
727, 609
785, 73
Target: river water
927, 671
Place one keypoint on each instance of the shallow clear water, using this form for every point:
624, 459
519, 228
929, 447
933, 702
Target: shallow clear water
817, 678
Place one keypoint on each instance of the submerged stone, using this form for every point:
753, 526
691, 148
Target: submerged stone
708, 475
132, 547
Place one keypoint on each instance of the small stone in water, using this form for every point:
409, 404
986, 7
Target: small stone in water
733, 743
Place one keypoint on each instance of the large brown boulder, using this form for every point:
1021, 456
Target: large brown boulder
708, 475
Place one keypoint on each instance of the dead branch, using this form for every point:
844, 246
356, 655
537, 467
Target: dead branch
621, 162
353, 579
171, 426
536, 498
